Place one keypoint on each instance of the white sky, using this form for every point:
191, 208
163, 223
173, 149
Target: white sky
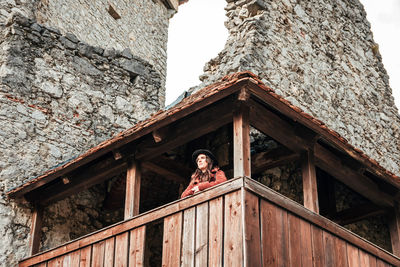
197, 34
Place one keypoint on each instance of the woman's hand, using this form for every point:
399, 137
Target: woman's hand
195, 189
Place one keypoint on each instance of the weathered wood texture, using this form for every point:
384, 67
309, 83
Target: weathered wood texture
241, 142
36, 230
132, 194
310, 190
233, 230
172, 240
241, 225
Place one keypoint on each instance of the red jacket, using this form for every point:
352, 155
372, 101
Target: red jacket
218, 176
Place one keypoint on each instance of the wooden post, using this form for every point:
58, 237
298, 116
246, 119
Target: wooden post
394, 227
241, 142
310, 191
132, 194
36, 230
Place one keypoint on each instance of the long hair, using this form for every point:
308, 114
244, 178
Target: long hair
203, 176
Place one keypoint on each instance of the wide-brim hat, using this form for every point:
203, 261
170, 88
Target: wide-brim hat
205, 152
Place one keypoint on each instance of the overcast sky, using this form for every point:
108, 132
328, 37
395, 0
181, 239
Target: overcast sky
197, 33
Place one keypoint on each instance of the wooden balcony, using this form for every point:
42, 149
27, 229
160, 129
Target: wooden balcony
238, 223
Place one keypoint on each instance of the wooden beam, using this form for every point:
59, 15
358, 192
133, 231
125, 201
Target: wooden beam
160, 134
241, 142
183, 131
174, 4
285, 133
272, 125
355, 214
359, 183
36, 230
394, 228
132, 193
271, 159
166, 118
80, 181
310, 190
288, 111
167, 174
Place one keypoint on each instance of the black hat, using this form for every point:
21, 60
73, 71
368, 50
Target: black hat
205, 152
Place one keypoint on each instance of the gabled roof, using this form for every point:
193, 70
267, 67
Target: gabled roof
227, 86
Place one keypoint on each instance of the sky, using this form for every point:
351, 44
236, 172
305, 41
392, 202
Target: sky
197, 34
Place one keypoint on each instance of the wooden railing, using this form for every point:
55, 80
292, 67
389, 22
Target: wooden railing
238, 223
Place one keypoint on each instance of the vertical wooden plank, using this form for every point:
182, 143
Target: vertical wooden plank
372, 261
394, 228
233, 230
294, 240
283, 237
98, 254
306, 243
132, 194
188, 237
340, 252
136, 247
364, 259
201, 246
43, 264
67, 261
269, 230
75, 258
380, 263
121, 250
252, 244
310, 190
172, 240
317, 247
329, 247
215, 250
36, 230
241, 142
353, 258
109, 252
86, 253
57, 262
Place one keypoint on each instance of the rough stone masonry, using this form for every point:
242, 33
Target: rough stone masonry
69, 79
321, 56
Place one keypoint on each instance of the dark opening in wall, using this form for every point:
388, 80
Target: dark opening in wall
111, 10
154, 242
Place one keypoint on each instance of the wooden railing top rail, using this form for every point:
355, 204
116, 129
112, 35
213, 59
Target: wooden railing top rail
141, 219
219, 190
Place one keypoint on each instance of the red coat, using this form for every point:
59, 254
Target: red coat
218, 176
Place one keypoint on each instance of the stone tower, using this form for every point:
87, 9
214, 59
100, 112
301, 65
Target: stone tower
72, 74
321, 56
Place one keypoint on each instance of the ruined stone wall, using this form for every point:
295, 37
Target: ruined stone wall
59, 97
142, 26
320, 55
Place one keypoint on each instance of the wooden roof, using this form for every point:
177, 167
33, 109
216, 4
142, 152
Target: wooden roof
229, 85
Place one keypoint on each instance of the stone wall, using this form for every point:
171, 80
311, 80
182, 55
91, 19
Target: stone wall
142, 26
320, 55
59, 97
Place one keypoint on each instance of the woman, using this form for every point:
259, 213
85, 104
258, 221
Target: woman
207, 173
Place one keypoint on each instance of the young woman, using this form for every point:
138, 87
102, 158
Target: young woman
207, 173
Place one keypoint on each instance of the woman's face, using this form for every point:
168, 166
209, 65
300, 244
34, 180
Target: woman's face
202, 162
